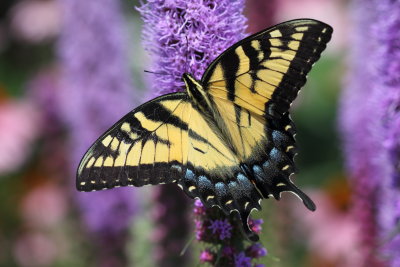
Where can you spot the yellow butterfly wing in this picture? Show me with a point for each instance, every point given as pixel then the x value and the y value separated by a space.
pixel 252 85
pixel 264 72
pixel 147 146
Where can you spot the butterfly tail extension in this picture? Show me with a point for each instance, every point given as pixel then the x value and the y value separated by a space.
pixel 272 182
pixel 272 175
pixel 306 199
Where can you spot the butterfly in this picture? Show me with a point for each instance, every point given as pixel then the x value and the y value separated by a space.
pixel 228 139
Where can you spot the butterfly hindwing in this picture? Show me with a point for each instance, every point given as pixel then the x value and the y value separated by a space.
pixel 147 146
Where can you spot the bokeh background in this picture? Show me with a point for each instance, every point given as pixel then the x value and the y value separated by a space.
pixel 69 69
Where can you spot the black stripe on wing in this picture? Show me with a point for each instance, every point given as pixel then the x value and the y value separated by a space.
pixel 310 48
pixel 115 159
pixel 273 64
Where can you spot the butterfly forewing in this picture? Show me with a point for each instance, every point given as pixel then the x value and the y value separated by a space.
pixel 147 146
pixel 264 72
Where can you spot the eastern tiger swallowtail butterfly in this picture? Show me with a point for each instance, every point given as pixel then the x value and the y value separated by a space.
pixel 228 139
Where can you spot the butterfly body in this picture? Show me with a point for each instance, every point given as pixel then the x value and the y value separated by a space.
pixel 228 139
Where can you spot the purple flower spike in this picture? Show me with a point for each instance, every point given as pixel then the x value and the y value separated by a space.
pixel 371 127
pixel 387 54
pixel 185 36
pixel 95 92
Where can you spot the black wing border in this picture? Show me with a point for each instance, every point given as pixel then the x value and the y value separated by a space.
pixel 254 36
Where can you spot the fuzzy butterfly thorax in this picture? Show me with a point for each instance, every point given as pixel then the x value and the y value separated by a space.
pixel 197 94
pixel 228 140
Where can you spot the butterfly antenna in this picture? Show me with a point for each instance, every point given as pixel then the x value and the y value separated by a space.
pixel 187 56
pixel 158 73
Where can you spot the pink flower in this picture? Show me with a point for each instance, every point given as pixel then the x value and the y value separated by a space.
pixel 332 12
pixel 332 234
pixel 44 206
pixel 19 123
pixel 35 249
pixel 256 225
pixel 35 21
pixel 206 256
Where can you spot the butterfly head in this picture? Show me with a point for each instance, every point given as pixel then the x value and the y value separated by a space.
pixel 196 91
pixel 190 81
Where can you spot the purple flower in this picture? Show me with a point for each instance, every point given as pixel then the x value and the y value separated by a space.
pixel 371 124
pixel 255 225
pixel 200 229
pixel 222 228
pixel 256 251
pixel 387 82
pixel 207 256
pixel 199 209
pixel 224 238
pixel 185 36
pixel 361 143
pixel 95 93
pixel 20 126
pixel 241 260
